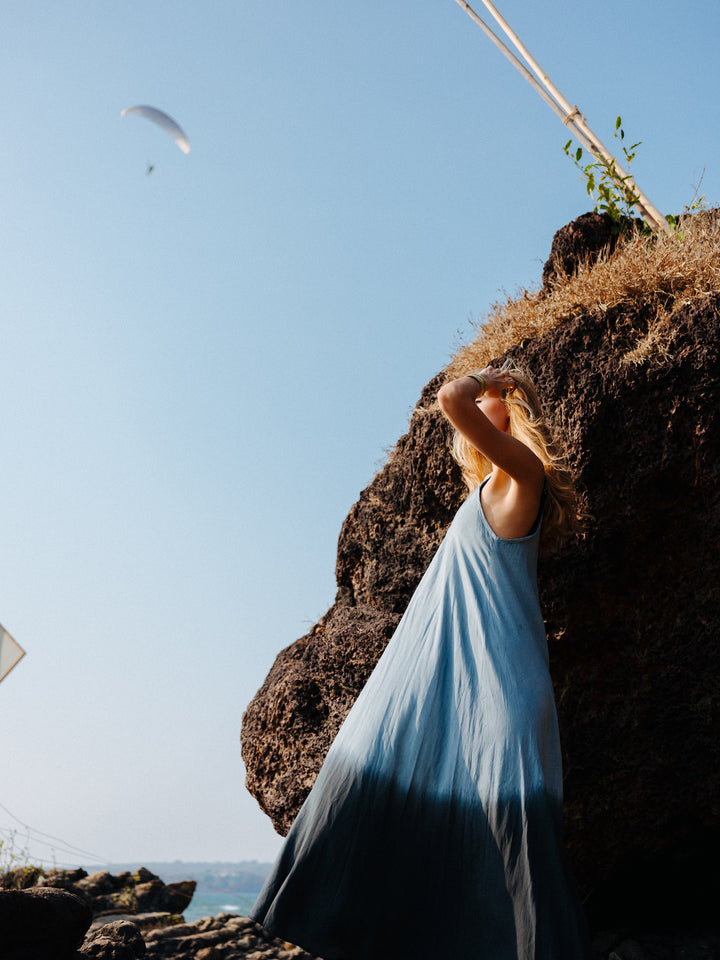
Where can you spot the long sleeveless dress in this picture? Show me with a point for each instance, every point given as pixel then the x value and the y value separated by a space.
pixel 434 828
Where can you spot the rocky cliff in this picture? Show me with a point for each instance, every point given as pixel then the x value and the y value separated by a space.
pixel 631 605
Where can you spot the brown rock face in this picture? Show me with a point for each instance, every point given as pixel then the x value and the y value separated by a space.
pixel 583 239
pixel 631 609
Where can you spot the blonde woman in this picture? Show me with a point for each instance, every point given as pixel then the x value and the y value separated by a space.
pixel 434 828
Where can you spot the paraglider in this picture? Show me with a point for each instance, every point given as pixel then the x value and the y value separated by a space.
pixel 162 120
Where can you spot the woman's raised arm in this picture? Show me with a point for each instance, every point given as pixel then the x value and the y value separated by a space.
pixel 474 405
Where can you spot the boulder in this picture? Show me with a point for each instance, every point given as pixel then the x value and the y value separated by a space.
pixel 97 884
pixel 155 896
pixel 118 940
pixel 42 923
pixel 582 241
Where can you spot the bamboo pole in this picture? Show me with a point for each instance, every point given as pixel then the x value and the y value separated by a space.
pixel 569 114
pixel 519 65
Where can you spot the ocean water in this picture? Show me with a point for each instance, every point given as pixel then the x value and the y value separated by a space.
pixel 208 903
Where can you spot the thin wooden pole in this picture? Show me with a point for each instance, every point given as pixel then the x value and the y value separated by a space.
pixel 519 65
pixel 570 115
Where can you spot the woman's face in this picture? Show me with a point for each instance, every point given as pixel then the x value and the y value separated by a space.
pixel 495 410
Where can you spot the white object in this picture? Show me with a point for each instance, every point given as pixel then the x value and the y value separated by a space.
pixel 11 653
pixel 164 121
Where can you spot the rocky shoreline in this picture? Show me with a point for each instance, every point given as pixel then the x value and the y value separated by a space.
pixel 73 915
pixel 70 915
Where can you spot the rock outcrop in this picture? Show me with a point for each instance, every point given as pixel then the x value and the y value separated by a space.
pixel 47 914
pixel 117 940
pixel 41 923
pixel 104 892
pixel 631 606
pixel 70 915
pixel 226 936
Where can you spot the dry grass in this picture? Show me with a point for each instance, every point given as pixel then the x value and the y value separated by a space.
pixel 660 273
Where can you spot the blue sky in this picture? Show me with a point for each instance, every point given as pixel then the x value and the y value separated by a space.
pixel 203 366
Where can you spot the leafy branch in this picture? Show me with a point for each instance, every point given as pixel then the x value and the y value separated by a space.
pixel 612 192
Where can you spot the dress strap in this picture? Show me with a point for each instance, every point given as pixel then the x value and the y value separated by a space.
pixel 541 509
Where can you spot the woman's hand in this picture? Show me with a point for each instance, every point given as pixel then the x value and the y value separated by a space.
pixel 496 380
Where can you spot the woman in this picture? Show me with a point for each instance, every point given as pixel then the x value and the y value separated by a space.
pixel 433 830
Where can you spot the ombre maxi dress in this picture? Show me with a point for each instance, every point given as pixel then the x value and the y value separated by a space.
pixel 434 828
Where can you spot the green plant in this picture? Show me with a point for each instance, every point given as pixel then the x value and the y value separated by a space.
pixel 16 870
pixel 12 855
pixel 612 192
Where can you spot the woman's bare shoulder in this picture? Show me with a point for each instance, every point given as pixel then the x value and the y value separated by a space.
pixel 511 506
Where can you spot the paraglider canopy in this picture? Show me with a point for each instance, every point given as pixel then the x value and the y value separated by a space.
pixel 162 120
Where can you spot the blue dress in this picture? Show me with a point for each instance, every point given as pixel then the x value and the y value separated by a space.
pixel 434 828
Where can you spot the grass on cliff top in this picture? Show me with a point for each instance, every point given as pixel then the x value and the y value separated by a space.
pixel 660 272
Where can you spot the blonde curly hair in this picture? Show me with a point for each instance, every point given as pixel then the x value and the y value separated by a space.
pixel 527 423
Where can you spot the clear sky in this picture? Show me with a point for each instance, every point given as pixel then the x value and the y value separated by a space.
pixel 202 366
